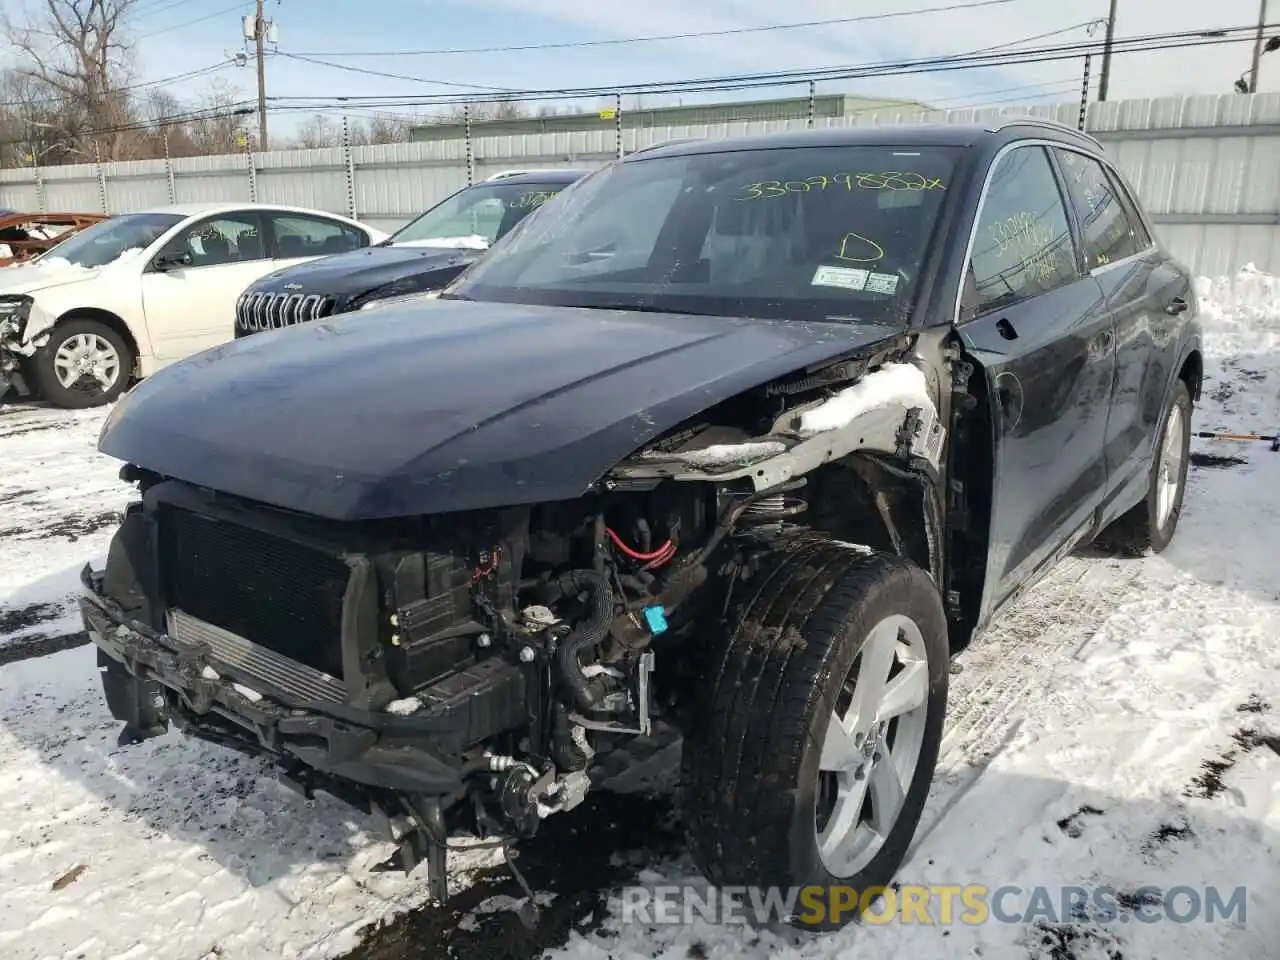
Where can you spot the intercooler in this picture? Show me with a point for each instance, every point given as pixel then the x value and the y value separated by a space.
pixel 284 596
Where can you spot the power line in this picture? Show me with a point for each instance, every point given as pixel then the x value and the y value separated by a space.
pixel 505 90
pixel 1185 40
pixel 191 23
pixel 664 37
pixel 158 6
pixel 968 61
pixel 392 76
pixel 189 75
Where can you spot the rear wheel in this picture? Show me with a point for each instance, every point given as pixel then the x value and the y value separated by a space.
pixel 84 364
pixel 1149 527
pixel 809 759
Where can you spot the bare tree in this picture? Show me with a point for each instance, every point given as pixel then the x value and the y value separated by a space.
pixel 76 51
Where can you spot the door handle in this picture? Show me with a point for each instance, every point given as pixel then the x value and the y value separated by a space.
pixel 1176 306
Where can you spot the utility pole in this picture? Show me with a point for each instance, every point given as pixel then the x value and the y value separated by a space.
pixel 260 39
pixel 1257 46
pixel 1104 81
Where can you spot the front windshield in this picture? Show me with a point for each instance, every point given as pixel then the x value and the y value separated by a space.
pixel 477 216
pixel 790 233
pixel 100 244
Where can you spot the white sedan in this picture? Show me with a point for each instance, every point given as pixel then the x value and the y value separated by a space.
pixel 129 295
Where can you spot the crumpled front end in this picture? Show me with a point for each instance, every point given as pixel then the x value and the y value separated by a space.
pixel 297 640
pixel 17 345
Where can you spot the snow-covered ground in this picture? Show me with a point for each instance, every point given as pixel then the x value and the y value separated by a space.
pixel 1117 730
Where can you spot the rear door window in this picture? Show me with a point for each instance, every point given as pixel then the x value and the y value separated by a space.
pixel 1109 231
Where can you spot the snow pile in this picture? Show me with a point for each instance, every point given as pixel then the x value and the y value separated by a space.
pixel 60 265
pixel 721 454
pixel 1240 313
pixel 894 383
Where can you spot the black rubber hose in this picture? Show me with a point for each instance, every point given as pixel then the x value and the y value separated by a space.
pixel 589 633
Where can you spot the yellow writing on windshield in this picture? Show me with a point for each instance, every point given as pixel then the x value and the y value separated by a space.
pixel 889 180
pixel 855 248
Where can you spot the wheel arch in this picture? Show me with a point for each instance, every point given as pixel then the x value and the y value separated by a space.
pixel 1192 372
pixel 112 321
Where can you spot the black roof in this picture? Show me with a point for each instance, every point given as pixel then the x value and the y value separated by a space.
pixel 905 134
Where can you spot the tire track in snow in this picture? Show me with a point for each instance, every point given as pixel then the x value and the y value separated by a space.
pixel 1013 664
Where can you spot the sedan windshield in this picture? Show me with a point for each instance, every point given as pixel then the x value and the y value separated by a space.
pixel 786 233
pixel 477 216
pixel 100 244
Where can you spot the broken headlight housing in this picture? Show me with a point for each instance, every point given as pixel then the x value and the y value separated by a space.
pixel 13 316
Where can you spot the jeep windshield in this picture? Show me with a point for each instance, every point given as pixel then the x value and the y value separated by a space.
pixel 806 233
pixel 475 217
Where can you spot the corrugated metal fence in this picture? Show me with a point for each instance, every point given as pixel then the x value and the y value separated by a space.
pixel 1207 168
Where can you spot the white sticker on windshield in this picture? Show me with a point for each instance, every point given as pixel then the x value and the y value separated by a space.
pixel 845 277
pixel 881 283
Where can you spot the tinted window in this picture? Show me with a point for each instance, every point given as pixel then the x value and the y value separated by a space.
pixel 226 238
pixel 1109 234
pixel 1023 245
pixel 803 233
pixel 301 236
pixel 477 216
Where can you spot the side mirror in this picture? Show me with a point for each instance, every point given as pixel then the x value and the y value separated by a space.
pixel 168 261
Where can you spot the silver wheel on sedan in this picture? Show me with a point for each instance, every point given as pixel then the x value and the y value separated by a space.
pixel 86 360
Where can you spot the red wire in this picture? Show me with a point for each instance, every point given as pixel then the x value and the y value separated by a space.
pixel 636 554
pixel 664 558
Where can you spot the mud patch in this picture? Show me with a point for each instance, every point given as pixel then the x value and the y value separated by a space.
pixel 1255 704
pixel 575 860
pixel 1070 941
pixel 73 528
pixel 33 428
pixel 40 645
pixel 1209 783
pixel 1166 834
pixel 8 496
pixel 1072 826
pixel 13 619
pixel 1215 462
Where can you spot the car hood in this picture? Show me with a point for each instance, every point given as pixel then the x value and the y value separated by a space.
pixel 363 270
pixel 447 405
pixel 31 278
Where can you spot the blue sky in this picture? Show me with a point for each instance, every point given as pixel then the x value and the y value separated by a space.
pixel 175 36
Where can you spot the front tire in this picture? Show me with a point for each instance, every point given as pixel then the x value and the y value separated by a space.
pixel 1149 527
pixel 809 758
pixel 84 364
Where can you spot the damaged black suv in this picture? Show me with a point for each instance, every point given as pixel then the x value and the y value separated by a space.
pixel 746 438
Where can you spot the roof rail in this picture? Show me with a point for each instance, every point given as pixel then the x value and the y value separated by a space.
pixel 503 174
pixel 665 143
pixel 1051 124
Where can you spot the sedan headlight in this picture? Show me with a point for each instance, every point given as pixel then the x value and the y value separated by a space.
pixel 400 298
pixel 13 315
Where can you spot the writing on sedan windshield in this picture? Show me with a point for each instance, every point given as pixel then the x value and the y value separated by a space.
pixel 888 180
pixel 534 198
pixel 855 248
